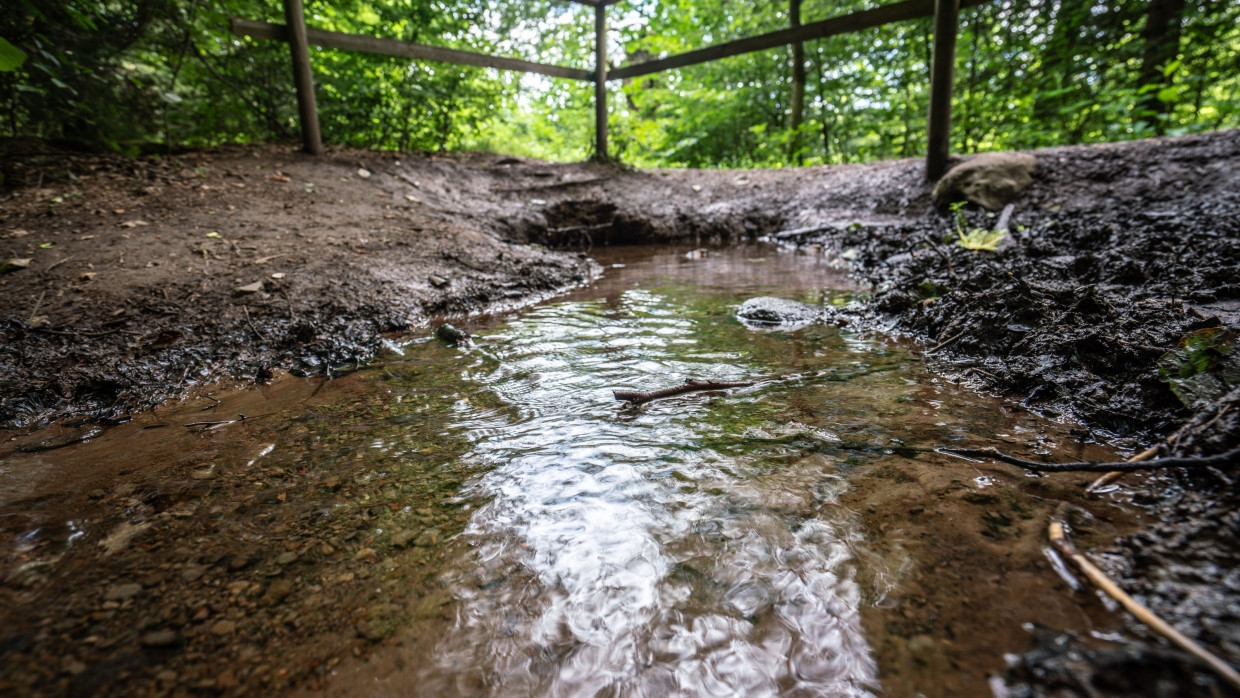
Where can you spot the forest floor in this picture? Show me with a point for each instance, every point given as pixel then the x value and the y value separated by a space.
pixel 137 280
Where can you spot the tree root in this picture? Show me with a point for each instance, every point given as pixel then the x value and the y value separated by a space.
pixel 1225 458
pixel 1057 532
pixel 1114 475
pixel 637 397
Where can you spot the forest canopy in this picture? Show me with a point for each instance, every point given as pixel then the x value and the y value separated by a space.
pixel 151 75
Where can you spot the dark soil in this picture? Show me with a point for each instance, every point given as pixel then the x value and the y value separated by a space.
pixel 140 285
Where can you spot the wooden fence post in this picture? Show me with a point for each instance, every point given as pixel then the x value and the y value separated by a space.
pixel 295 18
pixel 942 74
pixel 600 81
pixel 798 87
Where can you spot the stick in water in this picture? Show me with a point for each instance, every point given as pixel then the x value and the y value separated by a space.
pixel 637 397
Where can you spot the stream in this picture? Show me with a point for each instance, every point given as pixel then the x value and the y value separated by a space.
pixel 499 525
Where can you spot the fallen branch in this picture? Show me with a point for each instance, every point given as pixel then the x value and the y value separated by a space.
pixel 1226 458
pixel 1057 532
pixel 1114 475
pixel 637 397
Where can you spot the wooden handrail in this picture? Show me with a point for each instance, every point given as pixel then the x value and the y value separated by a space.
pixel 843 24
pixel 404 49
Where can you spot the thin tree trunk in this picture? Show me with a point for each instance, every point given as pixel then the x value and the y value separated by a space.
pixel 1161 36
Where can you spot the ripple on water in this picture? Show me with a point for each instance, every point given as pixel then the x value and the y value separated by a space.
pixel 595 571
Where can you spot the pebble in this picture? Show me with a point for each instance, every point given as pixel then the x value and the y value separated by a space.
pixel 365 554
pixel 224 627
pixel 122 592
pixel 402 539
pixel 428 538
pixel 193 573
pixel 287 558
pixel 160 638
pixel 276 592
pixel 372 631
pixel 203 474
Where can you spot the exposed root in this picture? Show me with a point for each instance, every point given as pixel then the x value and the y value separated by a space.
pixel 1225 458
pixel 1057 532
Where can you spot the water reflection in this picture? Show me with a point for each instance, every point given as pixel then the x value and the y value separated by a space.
pixel 629 554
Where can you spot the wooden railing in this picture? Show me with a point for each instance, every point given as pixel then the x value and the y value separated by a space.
pixel 944 12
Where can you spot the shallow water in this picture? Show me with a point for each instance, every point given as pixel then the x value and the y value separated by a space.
pixel 566 545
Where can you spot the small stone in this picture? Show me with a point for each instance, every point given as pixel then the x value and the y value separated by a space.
pixel 239 563
pixel 429 537
pixel 916 510
pixel 437 281
pixel 193 573
pixel 224 627
pixel 122 592
pixel 287 558
pixel 72 666
pixel 98 494
pixel 276 592
pixel 365 554
pixel 250 288
pixel 160 638
pixel 372 631
pixel 402 539
pixel 166 677
pixel 203 474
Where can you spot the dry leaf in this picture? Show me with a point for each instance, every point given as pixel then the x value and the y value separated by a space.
pixel 133 224
pixel 264 260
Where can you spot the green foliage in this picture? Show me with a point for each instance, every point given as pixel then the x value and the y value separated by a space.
pixel 1204 366
pixel 126 74
pixel 11 57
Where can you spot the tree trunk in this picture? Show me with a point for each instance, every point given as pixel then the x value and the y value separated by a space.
pixel 1161 36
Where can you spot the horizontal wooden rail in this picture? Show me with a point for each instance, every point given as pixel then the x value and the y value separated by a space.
pixel 404 49
pixel 855 21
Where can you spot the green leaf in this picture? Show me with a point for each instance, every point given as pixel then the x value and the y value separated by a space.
pixel 981 239
pixel 1204 366
pixel 11 57
pixel 1169 95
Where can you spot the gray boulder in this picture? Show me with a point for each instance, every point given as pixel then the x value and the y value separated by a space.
pixel 990 180
pixel 767 313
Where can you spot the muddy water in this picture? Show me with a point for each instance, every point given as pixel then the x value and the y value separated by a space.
pixel 499 525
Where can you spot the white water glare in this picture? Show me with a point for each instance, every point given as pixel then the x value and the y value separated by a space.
pixel 619 554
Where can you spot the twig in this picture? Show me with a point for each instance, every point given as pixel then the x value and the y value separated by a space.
pixel 1057 532
pixel 945 342
pixel 1114 475
pixel 637 397
pixel 37 303
pixel 935 246
pixel 56 264
pixel 251 323
pixel 1225 458
pixel 76 334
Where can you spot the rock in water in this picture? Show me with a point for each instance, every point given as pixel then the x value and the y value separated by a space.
pixel 990 180
pixel 452 335
pixel 769 313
